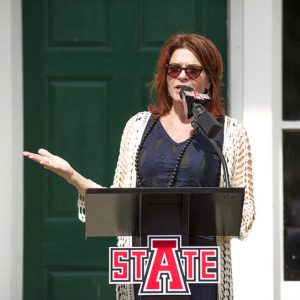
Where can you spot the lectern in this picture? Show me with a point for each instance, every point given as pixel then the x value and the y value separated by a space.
pixel 141 212
pixel 164 211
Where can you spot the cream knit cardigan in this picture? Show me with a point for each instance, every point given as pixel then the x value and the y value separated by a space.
pixel 237 152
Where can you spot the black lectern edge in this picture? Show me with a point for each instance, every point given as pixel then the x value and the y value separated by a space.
pixel 183 190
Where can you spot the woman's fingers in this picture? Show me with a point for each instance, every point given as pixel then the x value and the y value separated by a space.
pixel 42 159
pixel 44 152
pixel 26 153
pixel 45 162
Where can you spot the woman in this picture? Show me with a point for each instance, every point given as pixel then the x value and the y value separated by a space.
pixel 161 148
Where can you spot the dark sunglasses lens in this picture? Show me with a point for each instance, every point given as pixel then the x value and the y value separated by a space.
pixel 174 71
pixel 193 73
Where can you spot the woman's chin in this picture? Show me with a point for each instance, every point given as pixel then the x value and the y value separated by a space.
pixel 177 101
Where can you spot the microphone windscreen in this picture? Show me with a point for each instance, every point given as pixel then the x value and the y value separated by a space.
pixel 187 91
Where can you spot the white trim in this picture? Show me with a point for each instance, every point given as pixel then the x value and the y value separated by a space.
pixel 289 124
pixel 11 162
pixel 277 149
pixel 278 214
pixel 236 58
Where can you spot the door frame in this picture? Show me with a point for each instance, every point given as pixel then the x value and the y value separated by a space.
pixel 11 160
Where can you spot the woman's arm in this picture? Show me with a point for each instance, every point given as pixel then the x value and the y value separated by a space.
pixel 61 167
pixel 124 173
pixel 243 177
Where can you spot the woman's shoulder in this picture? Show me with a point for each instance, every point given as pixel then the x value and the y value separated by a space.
pixel 137 121
pixel 140 116
pixel 234 128
pixel 232 122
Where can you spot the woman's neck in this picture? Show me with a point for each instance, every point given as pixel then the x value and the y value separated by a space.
pixel 176 124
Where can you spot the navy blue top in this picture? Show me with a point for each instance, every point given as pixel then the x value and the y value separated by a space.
pixel 199 167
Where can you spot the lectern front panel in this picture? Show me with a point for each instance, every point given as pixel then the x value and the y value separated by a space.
pixel 164 211
pixel 110 214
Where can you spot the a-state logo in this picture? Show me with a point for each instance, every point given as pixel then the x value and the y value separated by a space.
pixel 164 266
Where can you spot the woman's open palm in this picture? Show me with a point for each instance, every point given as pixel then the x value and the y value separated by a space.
pixel 51 162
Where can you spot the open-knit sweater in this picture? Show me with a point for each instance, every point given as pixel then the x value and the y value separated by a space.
pixel 237 153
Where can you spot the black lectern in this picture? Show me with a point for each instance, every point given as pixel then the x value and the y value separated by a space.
pixel 164 211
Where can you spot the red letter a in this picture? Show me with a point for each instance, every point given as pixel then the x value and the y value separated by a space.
pixel 165 262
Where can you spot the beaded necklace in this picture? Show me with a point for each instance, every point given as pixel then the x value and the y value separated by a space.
pixel 173 175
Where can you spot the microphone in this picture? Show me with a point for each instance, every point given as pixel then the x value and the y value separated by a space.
pixel 195 103
pixel 189 96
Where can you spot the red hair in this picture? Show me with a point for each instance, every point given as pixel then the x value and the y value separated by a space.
pixel 210 58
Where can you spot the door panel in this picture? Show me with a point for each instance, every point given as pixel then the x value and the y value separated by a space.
pixel 88 66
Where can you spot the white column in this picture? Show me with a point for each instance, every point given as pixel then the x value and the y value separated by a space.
pixel 252 38
pixel 11 144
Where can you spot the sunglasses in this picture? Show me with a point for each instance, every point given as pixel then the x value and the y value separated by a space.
pixel 191 72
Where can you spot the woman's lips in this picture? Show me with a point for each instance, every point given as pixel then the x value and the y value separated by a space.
pixel 179 87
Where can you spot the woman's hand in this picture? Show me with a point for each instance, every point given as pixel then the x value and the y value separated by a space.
pixel 52 162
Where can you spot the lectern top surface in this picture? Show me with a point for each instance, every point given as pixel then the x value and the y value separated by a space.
pixel 173 190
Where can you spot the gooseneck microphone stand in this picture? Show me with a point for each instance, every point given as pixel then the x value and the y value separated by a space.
pixel 204 123
pixel 208 126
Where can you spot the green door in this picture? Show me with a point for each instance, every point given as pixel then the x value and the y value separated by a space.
pixel 88 65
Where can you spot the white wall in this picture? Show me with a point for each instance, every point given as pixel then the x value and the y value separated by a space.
pixel 255 78
pixel 11 143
